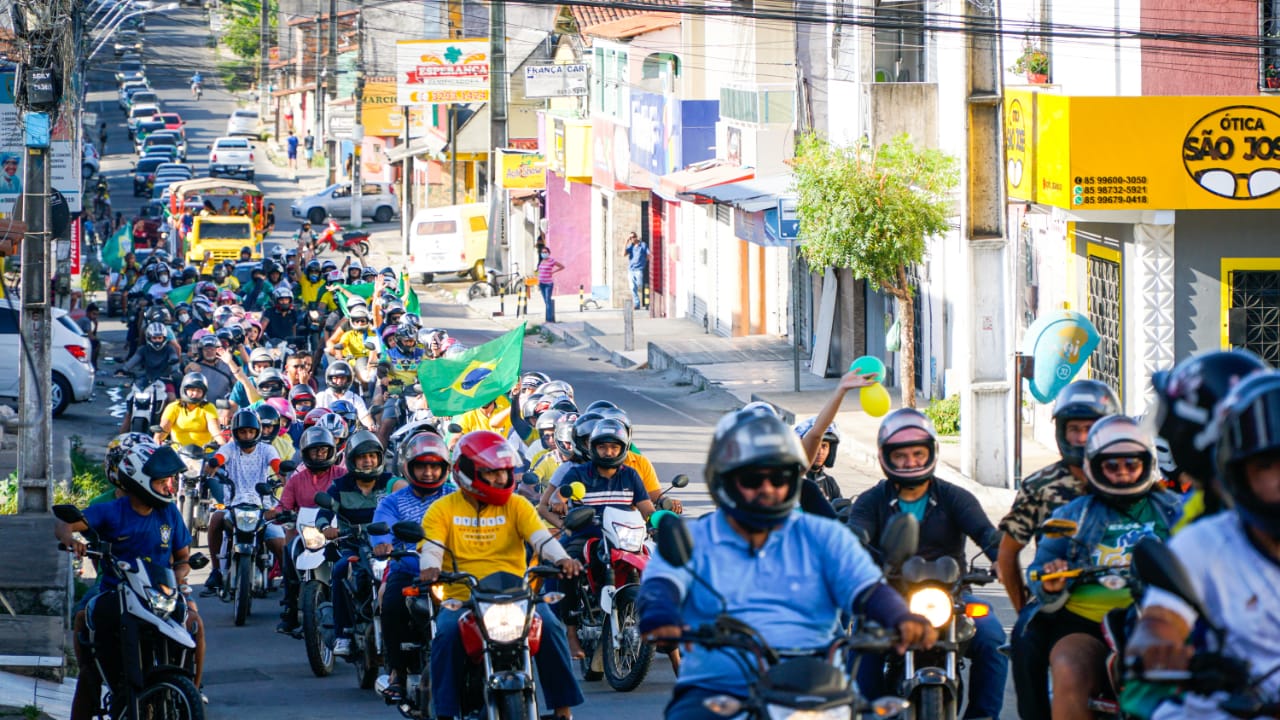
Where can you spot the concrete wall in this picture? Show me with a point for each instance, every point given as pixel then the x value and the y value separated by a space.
pixel 904 107
pixel 569 231
pixel 1179 69
pixel 1202 239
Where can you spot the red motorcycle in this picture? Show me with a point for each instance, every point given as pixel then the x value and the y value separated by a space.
pixel 336 239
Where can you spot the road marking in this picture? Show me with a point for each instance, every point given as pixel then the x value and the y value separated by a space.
pixel 661 404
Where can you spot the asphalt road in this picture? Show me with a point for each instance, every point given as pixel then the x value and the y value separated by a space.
pixel 251 671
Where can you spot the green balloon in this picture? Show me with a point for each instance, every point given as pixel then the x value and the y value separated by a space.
pixel 657 516
pixel 868 364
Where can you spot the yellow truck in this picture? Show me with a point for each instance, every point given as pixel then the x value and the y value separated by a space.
pixel 223 236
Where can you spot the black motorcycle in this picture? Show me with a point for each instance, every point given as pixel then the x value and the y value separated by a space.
pixel 249 561
pixel 146 657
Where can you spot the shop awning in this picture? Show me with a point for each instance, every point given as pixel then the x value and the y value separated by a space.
pixel 429 144
pixel 683 185
pixel 751 195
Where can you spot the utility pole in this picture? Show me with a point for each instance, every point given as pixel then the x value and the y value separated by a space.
pixel 263 24
pixel 317 72
pixel 406 182
pixel 331 70
pixel 357 132
pixel 496 254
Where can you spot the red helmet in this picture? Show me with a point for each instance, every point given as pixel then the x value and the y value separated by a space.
pixel 483 450
pixel 424 448
pixel 314 416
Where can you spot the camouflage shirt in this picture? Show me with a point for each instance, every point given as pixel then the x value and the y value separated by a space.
pixel 1041 493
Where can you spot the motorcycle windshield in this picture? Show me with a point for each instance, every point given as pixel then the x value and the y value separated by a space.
pixel 160 577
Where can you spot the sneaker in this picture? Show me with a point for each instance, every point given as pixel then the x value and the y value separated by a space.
pixel 287 626
pixel 341 647
pixel 213 585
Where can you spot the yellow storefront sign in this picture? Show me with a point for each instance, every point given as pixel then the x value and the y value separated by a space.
pixel 1142 153
pixel 380 114
pixel 522 170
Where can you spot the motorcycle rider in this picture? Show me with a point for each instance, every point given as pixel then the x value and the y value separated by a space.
pixel 908 453
pixel 338 379
pixel 246 462
pixel 271 421
pixel 406 355
pixel 191 419
pixel 742 549
pixel 824 458
pixel 303 400
pixel 280 321
pixel 156 358
pixel 1078 406
pixel 197 84
pixel 318 452
pixel 493 541
pixel 355 497
pixel 1124 504
pixel 256 294
pixel 424 463
pixel 1236 581
pixel 144 523
pixel 221 372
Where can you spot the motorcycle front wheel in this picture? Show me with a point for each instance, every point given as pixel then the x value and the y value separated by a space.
pixel 626 663
pixel 931 704
pixel 244 588
pixel 189 514
pixel 171 697
pixel 367 665
pixel 317 614
pixel 512 706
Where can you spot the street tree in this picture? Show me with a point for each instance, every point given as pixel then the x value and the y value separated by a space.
pixel 870 210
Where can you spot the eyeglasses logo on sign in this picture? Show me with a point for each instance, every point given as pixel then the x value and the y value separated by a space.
pixel 1234 152
pixel 1015 144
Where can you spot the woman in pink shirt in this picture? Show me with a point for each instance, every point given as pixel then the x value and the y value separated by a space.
pixel 318 452
pixel 547 267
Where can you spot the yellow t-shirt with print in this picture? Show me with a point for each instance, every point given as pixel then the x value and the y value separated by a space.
pixel 190 426
pixel 648 475
pixel 351 344
pixel 544 465
pixel 483 539
pixel 477 420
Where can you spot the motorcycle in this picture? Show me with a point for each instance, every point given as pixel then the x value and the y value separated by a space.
pixel 197 90
pixel 422 601
pixel 313 557
pixel 363 583
pixel 608 621
pixel 250 560
pixel 355 242
pixel 193 497
pixel 150 672
pixel 934 589
pixel 146 404
pixel 783 685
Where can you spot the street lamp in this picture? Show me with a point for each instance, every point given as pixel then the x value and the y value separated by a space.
pixel 106 35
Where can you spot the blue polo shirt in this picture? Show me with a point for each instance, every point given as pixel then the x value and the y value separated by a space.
pixel 132 536
pixel 791 590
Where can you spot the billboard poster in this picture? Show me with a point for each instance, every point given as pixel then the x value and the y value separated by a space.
pixel 64 161
pixel 442 71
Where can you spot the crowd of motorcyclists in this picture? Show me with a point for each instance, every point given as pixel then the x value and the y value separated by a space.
pixel 787 600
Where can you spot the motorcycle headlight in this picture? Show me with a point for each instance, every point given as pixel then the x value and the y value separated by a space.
pixel 933 604
pixel 630 537
pixel 781 712
pixel 312 537
pixel 504 622
pixel 161 603
pixel 247 520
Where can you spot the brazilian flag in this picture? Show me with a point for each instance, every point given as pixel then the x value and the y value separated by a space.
pixel 408 297
pixel 114 249
pixel 474 378
pixel 181 294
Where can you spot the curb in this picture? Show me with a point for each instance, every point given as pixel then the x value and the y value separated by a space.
pixel 587 340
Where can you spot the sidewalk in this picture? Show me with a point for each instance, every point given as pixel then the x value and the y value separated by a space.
pixel 19 691
pixel 749 368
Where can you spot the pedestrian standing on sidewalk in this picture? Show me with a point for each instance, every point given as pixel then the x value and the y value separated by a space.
pixel 270 225
pixel 89 326
pixel 102 138
pixel 638 263
pixel 291 149
pixel 309 145
pixel 547 268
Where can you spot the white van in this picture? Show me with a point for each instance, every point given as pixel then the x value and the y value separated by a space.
pixel 449 240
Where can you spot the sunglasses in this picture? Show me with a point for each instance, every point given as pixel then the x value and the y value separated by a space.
pixel 754 481
pixel 1117 464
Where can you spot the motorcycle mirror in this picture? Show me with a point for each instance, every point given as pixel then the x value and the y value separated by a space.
pixel 529 478
pixel 370 345
pixel 324 500
pixel 263 488
pixel 155 429
pixel 408 531
pixel 675 543
pixel 221 404
pixel 69 514
pixel 1058 528
pixel 454 428
pixel 1157 566
pixel 579 518
pixel 198 561
pixel 378 528
pixel 680 481
pixel 900 539
pixel 288 466
pixel 566 492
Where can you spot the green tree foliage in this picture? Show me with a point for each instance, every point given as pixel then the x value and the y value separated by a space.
pixel 870 211
pixel 244 21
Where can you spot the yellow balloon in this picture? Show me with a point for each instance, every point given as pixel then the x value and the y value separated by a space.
pixel 874 399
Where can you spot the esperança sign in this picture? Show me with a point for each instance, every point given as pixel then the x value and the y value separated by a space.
pixel 442 71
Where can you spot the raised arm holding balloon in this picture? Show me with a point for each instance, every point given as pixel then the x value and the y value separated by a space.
pixel 865 372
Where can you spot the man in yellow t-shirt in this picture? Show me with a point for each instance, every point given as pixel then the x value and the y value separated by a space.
pixel 496 416
pixel 189 419
pixel 483 529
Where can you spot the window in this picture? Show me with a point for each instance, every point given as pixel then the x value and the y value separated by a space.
pixel 758 105
pixel 8 322
pixel 1270 60
pixel 479 223
pixel 436 227
pixel 900 42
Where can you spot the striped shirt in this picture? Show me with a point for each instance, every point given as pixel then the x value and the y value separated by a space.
pixel 623 490
pixel 544 270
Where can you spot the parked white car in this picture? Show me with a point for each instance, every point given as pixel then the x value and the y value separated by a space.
pixel 72 373
pixel 244 122
pixel 90 160
pixel 377 201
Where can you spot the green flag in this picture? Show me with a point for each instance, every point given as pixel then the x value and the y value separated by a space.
pixel 408 296
pixel 340 293
pixel 181 294
pixel 474 378
pixel 114 249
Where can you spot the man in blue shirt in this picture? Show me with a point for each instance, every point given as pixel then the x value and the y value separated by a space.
pixel 424 462
pixel 789 575
pixel 143 524
pixel 908 452
pixel 637 265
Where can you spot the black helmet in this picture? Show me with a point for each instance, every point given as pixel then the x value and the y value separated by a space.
pixel 314 439
pixel 246 418
pixel 197 381
pixel 345 410
pixel 582 428
pixel 1185 401
pixel 1119 437
pixel 903 428
pixel 190 275
pixel 269 266
pixel 312 271
pixel 271 383
pixel 599 405
pixel 1249 427
pixel 338 376
pixel 270 419
pixel 753 439
pixel 219 272
pixel 608 430
pixel 1081 400
pixel 363 443
pixel 246 250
